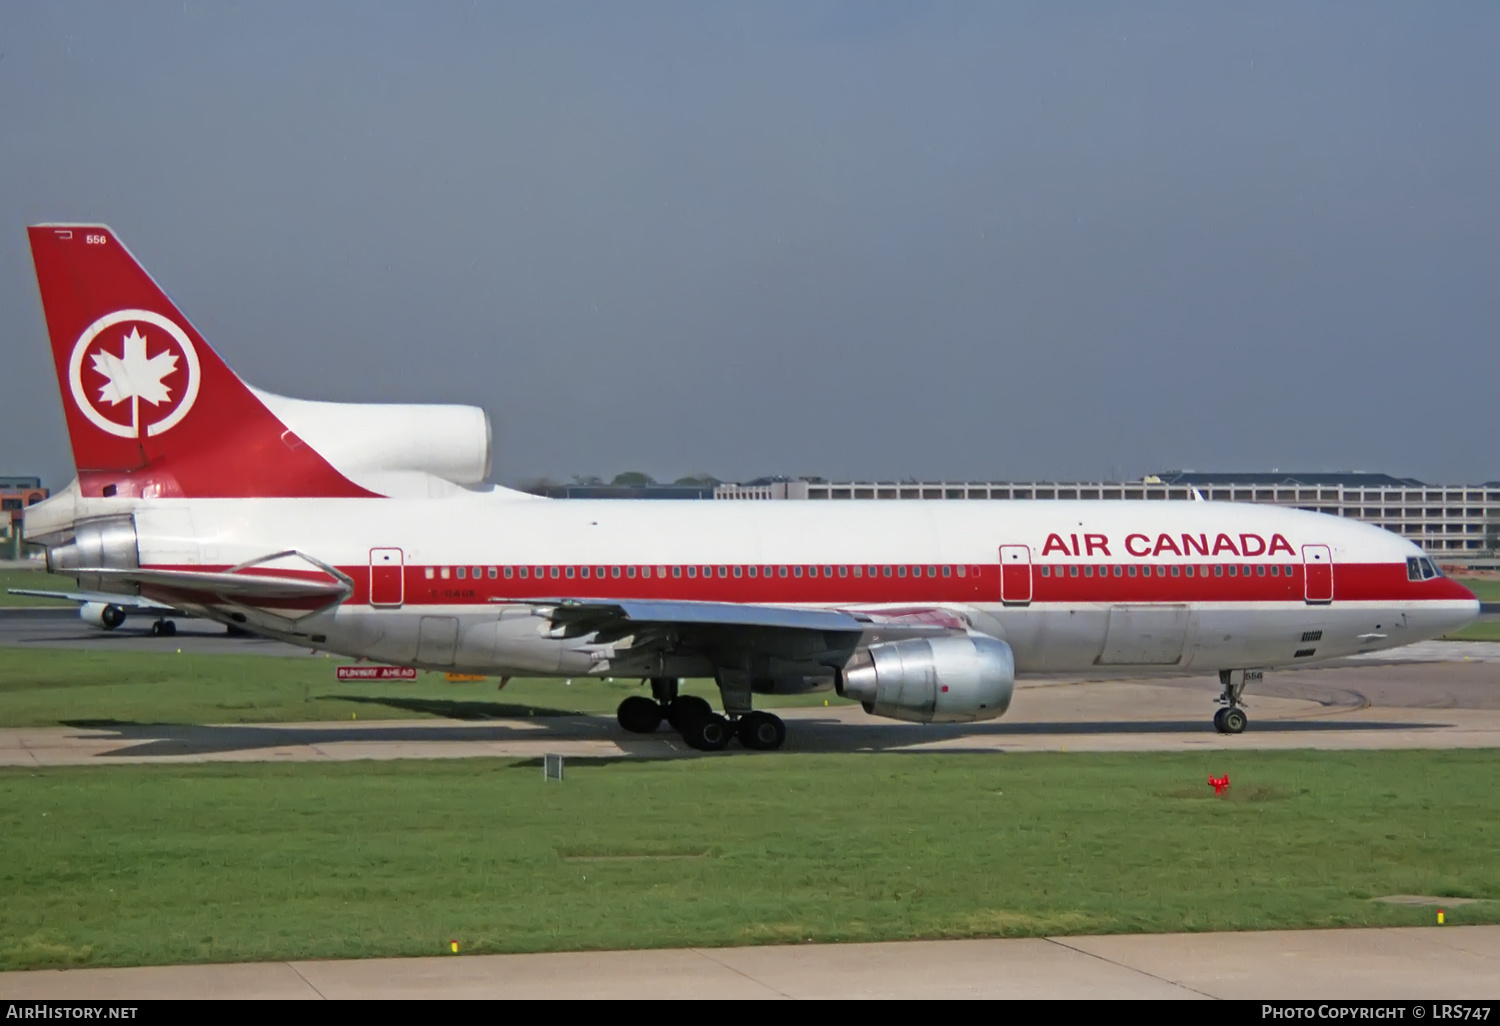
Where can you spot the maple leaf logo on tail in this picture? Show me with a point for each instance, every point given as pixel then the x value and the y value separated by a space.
pixel 121 370
pixel 135 377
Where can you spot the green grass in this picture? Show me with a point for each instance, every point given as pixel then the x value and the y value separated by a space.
pixel 227 862
pixel 1484 630
pixel 45 687
pixel 37 579
pixel 1486 589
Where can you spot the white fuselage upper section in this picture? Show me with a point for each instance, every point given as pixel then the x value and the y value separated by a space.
pixel 1105 581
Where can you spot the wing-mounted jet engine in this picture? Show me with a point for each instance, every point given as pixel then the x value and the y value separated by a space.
pixel 104 615
pixel 950 679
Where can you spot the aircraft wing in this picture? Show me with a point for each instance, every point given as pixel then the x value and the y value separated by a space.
pixel 721 633
pixel 727 633
pixel 129 603
pixel 576 618
pixel 584 616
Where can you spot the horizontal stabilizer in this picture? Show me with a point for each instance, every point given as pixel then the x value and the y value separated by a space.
pixel 259 587
pixel 129 602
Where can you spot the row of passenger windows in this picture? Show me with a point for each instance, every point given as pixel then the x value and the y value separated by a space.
pixel 1189 570
pixel 695 571
pixel 883 570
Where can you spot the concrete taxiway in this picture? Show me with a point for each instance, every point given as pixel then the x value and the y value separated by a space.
pixel 1456 963
pixel 57 627
pixel 1419 703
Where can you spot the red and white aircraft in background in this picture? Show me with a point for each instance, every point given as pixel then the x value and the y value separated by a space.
pixel 366 530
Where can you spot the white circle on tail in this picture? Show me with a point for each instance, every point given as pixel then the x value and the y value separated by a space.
pixel 133 364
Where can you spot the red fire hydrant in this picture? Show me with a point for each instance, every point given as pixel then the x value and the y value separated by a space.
pixel 1219 784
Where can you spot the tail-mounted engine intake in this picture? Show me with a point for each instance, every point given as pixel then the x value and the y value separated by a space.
pixel 953 679
pixel 108 543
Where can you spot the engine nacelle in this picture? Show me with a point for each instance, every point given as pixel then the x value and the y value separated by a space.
pixel 103 543
pixel 934 680
pixel 100 543
pixel 104 615
pixel 359 439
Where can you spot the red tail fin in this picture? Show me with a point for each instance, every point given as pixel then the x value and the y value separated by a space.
pixel 152 410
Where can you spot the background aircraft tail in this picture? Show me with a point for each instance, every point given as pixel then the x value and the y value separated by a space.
pixel 152 410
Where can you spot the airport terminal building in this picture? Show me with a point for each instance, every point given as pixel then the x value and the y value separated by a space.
pixel 1449 520
pixel 16 493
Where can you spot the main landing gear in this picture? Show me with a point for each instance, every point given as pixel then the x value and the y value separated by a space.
pixel 696 721
pixel 163 629
pixel 1232 719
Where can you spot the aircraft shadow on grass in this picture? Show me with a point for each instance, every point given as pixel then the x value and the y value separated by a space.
pixel 808 735
pixel 817 734
pixel 137 638
pixel 158 739
pixel 95 638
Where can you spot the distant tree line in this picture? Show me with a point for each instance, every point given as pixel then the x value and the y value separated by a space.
pixel 625 479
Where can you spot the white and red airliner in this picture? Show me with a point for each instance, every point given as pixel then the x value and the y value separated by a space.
pixel 367 530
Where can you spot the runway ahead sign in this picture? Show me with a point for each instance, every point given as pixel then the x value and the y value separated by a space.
pixel 377 673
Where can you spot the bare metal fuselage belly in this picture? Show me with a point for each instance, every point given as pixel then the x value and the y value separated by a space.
pixel 512 640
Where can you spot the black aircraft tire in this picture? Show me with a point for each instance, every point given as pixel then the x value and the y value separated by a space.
pixel 168 628
pixel 707 733
pixel 1235 721
pixel 1219 721
pixel 761 731
pixel 639 714
pixel 686 708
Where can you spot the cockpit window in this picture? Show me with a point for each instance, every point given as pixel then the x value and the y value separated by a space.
pixel 1420 568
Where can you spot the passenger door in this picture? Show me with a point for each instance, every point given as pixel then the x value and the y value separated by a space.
pixel 1317 573
pixel 387 578
pixel 1015 574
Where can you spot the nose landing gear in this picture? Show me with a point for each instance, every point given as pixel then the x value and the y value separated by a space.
pixel 1232 719
pixel 692 717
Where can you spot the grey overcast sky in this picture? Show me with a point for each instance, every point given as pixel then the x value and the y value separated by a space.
pixel 864 239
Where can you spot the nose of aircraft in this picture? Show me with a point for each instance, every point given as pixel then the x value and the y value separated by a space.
pixel 1462 608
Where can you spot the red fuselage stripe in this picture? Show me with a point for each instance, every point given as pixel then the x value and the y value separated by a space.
pixel 1352 582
